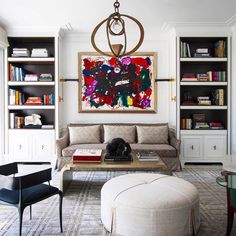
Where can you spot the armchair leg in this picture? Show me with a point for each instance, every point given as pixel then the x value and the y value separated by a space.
pixel 20 211
pixel 230 221
pixel 30 212
pixel 60 209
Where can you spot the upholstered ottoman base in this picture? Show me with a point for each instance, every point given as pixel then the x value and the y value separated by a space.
pixel 150 204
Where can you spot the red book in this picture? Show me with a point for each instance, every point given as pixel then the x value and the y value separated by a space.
pixel 87 155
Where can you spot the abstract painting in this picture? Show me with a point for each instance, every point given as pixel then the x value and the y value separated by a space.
pixel 109 84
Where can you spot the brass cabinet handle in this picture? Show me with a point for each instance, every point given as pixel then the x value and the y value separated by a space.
pixel 192 147
pixel 20 147
pixel 42 147
pixel 214 147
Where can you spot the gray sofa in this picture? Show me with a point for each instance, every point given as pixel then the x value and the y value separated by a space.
pixel 157 137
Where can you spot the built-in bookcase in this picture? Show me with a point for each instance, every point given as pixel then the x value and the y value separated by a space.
pixel 22 141
pixel 203 92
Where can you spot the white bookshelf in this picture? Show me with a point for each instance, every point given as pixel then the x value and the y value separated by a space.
pixel 203 145
pixel 29 144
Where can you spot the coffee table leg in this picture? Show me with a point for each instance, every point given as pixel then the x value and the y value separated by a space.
pixel 66 179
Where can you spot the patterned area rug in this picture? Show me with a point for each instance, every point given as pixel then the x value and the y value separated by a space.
pixel 81 206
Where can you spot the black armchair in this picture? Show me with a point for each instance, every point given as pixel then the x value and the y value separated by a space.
pixel 23 191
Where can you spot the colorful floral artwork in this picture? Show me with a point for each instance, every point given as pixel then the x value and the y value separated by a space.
pixel 111 84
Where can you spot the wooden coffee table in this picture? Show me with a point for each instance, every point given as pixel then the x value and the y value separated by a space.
pixel 135 165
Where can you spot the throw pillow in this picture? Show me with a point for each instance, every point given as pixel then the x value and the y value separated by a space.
pixel 119 131
pixel 84 134
pixel 152 134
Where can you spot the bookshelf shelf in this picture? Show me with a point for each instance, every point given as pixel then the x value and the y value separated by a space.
pixel 25 144
pixel 204 83
pixel 203 107
pixel 205 63
pixel 31 107
pixel 29 83
pixel 197 59
pixel 30 59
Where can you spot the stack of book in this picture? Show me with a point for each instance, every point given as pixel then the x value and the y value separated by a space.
pixel 39 52
pixel 16 97
pixel 203 77
pixel 202 52
pixel 220 49
pixel 148 156
pixel 189 77
pixel 201 125
pixel 184 49
pixel 46 77
pixel 87 155
pixel 204 101
pixel 48 99
pixel 31 77
pixel 218 97
pixel 16 73
pixel 34 101
pixel 20 52
pixel 47 126
pixel 216 125
pixel 186 123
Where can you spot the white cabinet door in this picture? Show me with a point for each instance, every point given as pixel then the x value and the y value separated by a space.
pixel 192 147
pixel 43 148
pixel 215 146
pixel 20 147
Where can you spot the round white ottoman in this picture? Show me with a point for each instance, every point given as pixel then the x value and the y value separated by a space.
pixel 150 204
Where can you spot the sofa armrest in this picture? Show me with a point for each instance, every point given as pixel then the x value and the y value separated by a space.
pixel 174 141
pixel 62 143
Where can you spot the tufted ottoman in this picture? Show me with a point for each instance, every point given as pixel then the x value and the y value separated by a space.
pixel 150 204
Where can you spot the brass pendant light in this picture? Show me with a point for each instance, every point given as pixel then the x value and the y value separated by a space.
pixel 115 26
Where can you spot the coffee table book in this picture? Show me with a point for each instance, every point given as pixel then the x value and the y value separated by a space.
pixel 148 156
pixel 87 155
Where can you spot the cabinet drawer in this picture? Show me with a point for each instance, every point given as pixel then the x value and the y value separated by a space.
pixel 215 146
pixel 192 147
pixel 42 147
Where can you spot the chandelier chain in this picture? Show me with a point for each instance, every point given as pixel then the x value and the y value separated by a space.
pixel 116 6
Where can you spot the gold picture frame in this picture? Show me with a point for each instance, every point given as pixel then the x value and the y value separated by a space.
pixel 108 84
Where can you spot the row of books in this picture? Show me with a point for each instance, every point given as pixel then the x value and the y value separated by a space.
pixel 218 97
pixel 20 74
pixel 186 123
pixel 16 97
pixel 24 52
pixel 17 121
pixel 219 50
pixel 48 99
pixel 209 76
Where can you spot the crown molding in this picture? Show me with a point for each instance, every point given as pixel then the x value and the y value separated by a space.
pixel 39 31
pixel 231 21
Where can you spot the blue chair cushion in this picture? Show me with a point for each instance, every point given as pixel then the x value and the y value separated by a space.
pixel 32 194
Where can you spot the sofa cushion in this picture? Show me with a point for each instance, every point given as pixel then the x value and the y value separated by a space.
pixel 119 131
pixel 69 151
pixel 84 134
pixel 152 134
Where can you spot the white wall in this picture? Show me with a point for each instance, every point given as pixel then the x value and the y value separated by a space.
pixel 1 102
pixel 74 43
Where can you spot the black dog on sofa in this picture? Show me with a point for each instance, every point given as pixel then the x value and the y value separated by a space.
pixel 118 147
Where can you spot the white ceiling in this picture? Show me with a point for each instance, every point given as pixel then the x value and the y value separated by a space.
pixel 83 15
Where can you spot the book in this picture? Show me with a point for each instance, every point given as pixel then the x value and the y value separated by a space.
pixel 148 156
pixel 34 101
pixel 202 50
pixel 87 155
pixel 31 77
pixel 12 120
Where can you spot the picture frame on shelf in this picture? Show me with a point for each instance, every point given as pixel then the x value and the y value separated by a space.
pixel 109 84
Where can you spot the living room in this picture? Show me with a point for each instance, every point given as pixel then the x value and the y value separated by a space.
pixel 141 117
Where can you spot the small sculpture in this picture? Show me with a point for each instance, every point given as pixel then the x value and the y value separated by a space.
pixel 118 147
pixel 34 119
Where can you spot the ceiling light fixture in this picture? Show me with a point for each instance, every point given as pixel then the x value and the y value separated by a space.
pixel 115 27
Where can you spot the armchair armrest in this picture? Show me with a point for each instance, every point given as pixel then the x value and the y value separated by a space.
pixel 174 142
